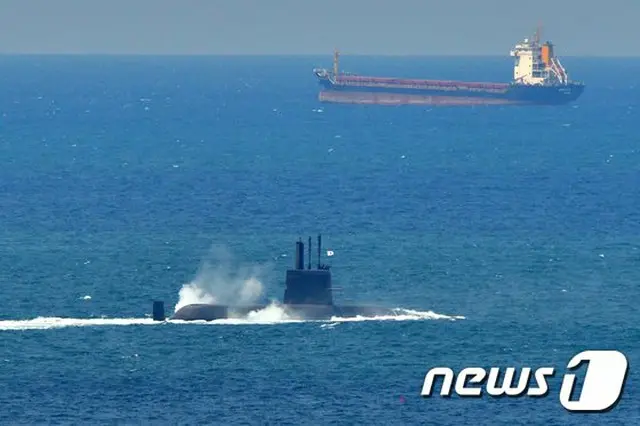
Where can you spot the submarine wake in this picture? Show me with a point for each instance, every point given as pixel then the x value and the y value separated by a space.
pixel 401 314
pixel 45 323
pixel 273 314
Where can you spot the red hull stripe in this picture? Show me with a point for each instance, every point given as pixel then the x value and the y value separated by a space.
pixel 347 79
pixel 393 99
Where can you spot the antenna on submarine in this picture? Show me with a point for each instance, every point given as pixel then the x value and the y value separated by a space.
pixel 309 267
pixel 320 264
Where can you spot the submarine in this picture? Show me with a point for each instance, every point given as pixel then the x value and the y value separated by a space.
pixel 308 295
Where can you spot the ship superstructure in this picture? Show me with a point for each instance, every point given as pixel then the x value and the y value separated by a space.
pixel 536 64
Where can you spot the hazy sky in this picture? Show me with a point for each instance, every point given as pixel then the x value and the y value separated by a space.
pixel 590 27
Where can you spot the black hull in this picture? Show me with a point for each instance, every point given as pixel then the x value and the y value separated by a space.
pixel 204 312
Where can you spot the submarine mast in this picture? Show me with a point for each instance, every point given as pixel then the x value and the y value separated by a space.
pixel 299 255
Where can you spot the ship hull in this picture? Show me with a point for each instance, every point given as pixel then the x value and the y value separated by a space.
pixel 460 94
pixel 206 312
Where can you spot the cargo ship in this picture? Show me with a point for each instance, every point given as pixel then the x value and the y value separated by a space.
pixel 538 79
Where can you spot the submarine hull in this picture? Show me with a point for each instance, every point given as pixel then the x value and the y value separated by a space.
pixel 205 312
pixel 308 295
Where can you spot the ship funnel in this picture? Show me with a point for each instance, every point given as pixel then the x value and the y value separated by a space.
pixel 546 53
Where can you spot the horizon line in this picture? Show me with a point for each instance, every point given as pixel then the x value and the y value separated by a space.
pixel 291 55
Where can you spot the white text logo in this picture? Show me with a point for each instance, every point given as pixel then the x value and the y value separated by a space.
pixel 601 388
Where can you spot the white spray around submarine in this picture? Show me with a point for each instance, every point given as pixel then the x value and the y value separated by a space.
pixel 219 281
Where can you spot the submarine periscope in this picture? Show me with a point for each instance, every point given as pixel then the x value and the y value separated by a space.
pixel 308 295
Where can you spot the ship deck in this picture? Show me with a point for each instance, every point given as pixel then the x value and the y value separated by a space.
pixel 357 80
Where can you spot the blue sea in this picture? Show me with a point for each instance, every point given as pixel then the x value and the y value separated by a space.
pixel 506 236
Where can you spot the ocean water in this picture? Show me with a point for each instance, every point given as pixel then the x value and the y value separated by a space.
pixel 509 235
